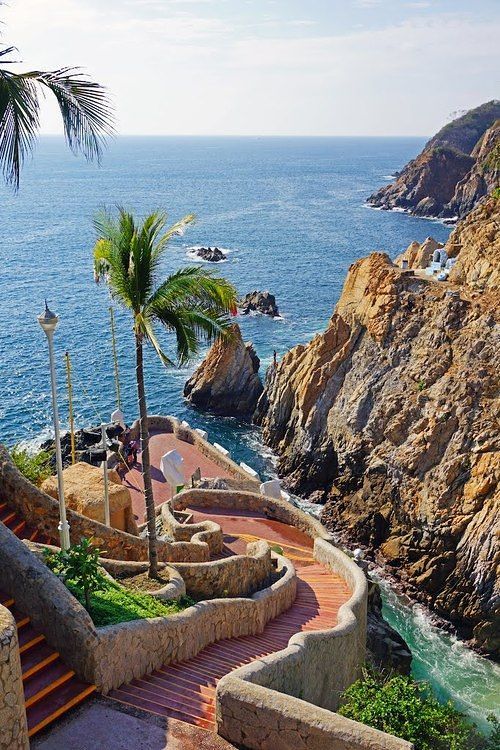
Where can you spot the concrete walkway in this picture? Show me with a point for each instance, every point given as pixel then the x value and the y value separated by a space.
pixel 104 725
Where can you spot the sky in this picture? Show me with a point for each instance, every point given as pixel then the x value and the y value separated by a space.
pixel 269 67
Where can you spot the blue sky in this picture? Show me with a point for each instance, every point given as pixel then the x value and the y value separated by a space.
pixel 296 67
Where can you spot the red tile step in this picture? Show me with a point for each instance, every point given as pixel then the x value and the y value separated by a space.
pixel 50 687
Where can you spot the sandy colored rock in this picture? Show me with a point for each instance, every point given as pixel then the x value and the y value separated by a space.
pixel 392 413
pixel 227 381
pixel 84 493
pixel 419 255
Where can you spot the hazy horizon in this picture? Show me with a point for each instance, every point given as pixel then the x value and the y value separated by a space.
pixel 255 68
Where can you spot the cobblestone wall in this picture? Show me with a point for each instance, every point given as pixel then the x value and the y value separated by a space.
pixel 13 729
pixel 41 511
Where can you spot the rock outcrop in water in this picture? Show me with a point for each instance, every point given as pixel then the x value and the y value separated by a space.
pixel 261 302
pixel 227 382
pixel 210 254
pixel 392 414
pixel 457 167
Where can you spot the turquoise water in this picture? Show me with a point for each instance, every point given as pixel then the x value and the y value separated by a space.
pixel 290 211
pixel 455 672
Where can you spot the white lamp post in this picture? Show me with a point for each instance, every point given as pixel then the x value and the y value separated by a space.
pixel 48 321
pixel 107 517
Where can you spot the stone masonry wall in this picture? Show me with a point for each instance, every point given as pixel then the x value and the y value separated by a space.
pixel 205 532
pixel 131 649
pixel 41 511
pixel 13 728
pixel 238 575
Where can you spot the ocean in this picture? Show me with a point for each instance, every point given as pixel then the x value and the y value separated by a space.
pixel 289 211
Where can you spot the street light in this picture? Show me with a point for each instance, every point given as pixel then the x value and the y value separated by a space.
pixel 48 322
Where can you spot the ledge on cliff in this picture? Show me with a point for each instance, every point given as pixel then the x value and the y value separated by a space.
pixel 391 413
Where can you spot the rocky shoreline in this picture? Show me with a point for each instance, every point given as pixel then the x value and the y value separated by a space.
pixel 388 419
pixel 458 167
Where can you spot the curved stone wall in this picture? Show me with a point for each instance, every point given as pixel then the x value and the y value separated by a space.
pixel 132 649
pixel 206 532
pixel 42 512
pixel 290 696
pixel 13 728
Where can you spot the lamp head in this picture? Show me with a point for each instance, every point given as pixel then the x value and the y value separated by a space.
pixel 48 320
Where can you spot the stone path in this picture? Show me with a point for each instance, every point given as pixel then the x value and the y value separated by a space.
pixel 186 691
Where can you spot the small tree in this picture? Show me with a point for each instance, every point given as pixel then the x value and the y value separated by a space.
pixel 78 566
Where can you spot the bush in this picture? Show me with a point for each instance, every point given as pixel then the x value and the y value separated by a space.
pixel 403 707
pixel 106 601
pixel 80 565
pixel 35 467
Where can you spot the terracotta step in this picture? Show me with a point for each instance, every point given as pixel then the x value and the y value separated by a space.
pixel 56 703
pixel 46 680
pixel 38 658
pixel 29 637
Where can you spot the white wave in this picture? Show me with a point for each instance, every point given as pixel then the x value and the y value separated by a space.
pixel 390 177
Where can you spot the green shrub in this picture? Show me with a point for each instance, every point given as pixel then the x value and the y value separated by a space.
pixel 113 603
pixel 35 467
pixel 80 565
pixel 403 707
pixel 105 600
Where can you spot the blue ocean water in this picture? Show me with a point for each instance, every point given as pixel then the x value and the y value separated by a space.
pixel 290 211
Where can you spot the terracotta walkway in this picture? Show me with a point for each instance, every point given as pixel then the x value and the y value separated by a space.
pixel 186 690
pixel 159 444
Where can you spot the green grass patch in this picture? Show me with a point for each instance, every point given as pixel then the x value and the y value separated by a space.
pixel 112 603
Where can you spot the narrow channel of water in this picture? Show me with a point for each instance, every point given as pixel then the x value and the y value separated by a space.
pixel 454 671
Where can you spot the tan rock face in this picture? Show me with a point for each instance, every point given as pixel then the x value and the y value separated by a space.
pixel 227 381
pixel 475 242
pixel 419 255
pixel 392 413
pixel 84 493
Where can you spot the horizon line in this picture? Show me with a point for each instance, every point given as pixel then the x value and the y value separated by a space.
pixel 243 135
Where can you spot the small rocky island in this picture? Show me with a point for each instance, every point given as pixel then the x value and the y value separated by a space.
pixel 259 302
pixel 457 167
pixel 227 382
pixel 209 254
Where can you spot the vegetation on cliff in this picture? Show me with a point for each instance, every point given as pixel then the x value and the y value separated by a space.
pixel 399 705
pixel 456 168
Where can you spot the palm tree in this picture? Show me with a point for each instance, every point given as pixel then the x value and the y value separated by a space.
pixel 191 303
pixel 86 112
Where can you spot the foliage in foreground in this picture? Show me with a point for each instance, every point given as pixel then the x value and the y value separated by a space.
pixel 35 467
pixel 399 705
pixel 106 601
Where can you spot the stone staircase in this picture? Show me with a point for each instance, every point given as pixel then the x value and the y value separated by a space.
pixel 50 687
pixel 186 690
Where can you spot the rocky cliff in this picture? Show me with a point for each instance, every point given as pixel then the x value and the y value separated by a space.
pixel 457 167
pixel 227 381
pixel 390 417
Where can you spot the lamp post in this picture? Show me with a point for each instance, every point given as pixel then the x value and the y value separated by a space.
pixel 48 322
pixel 107 518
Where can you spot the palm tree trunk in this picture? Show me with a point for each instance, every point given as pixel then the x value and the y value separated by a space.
pixel 146 463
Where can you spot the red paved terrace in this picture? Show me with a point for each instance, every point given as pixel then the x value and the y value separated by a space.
pixel 159 443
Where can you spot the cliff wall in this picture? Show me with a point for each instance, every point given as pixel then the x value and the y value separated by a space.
pixel 389 417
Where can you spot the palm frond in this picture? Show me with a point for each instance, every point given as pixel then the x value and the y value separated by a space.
pixel 19 123
pixel 196 286
pixel 88 116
